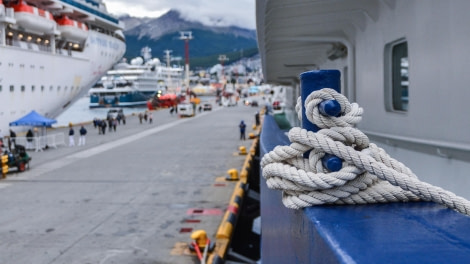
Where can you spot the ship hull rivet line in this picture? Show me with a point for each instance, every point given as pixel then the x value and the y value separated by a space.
pixel 367 174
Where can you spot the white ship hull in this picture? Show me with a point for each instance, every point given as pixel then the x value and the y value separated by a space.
pixel 45 79
pixel 57 79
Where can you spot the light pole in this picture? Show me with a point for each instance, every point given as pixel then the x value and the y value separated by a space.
pixel 186 36
pixel 223 58
pixel 168 58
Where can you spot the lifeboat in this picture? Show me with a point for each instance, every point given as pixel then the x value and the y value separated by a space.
pixel 71 30
pixel 33 18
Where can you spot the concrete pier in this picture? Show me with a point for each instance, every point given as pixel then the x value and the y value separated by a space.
pixel 130 196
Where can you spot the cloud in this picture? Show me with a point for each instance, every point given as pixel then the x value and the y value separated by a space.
pixel 215 13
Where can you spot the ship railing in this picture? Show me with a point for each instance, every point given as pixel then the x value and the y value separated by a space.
pixel 40 143
pixel 7 14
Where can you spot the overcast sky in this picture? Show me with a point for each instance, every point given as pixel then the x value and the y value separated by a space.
pixel 210 12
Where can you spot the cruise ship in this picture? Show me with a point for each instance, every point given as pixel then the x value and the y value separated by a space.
pixel 52 52
pixel 134 84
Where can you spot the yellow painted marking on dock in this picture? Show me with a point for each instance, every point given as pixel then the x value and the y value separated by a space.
pixel 180 248
pixel 220 179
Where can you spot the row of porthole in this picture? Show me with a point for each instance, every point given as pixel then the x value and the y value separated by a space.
pixel 33 88
pixel 11 64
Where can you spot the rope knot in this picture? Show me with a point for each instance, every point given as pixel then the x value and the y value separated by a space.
pixel 350 115
pixel 368 174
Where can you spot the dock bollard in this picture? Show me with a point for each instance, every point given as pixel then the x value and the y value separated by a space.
pixel 232 175
pixel 242 150
pixel 316 80
pixel 200 242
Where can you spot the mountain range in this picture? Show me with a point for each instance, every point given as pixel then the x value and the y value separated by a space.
pixel 208 42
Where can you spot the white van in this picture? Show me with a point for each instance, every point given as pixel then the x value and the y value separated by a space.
pixel 185 109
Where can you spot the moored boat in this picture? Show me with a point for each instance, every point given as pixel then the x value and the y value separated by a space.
pixel 71 29
pixel 33 19
pixel 135 83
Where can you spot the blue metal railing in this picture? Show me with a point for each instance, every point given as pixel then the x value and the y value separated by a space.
pixel 418 232
pixel 415 232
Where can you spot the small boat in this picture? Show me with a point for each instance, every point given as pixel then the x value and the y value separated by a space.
pixel 71 29
pixel 32 18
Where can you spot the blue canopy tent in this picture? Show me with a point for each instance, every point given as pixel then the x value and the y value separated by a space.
pixel 33 119
pixel 36 120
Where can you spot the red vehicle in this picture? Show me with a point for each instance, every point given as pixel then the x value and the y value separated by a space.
pixel 165 101
pixel 276 105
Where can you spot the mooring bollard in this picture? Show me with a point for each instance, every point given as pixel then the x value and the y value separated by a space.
pixel 316 80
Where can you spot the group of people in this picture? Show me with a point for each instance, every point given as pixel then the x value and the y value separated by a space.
pixel 81 139
pixel 147 116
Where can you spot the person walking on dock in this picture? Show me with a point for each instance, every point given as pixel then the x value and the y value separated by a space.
pixel 71 137
pixel 82 139
pixel 110 124
pixel 103 126
pixel 140 117
pixel 29 139
pixel 150 117
pixel 12 138
pixel 257 120
pixel 242 127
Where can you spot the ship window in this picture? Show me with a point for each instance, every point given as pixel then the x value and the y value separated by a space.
pixel 0 88
pixel 23 88
pixel 32 88
pixel 396 76
pixel 12 88
pixel 42 88
pixel 51 88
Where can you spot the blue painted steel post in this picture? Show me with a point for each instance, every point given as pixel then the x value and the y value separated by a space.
pixel 316 80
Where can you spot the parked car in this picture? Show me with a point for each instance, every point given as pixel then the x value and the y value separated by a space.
pixel 113 113
pixel 207 107
pixel 185 109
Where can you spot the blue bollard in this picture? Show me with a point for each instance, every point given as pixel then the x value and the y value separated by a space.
pixel 331 162
pixel 330 108
pixel 316 80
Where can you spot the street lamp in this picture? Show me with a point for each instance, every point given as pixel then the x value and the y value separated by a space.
pixel 186 36
pixel 223 58
pixel 168 58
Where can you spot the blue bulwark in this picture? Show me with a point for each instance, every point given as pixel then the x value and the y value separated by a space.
pixel 418 232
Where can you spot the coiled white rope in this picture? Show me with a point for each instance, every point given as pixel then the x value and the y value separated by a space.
pixel 368 173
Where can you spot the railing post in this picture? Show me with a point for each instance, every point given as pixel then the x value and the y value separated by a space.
pixel 316 80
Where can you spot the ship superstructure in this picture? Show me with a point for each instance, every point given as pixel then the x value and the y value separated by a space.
pixel 52 52
pixel 135 83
